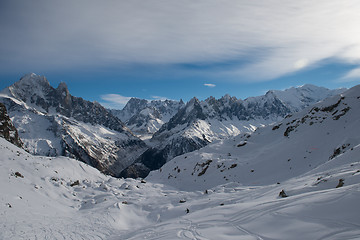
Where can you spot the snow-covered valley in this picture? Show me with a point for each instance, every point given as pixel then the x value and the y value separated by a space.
pixel 61 198
pixel 297 179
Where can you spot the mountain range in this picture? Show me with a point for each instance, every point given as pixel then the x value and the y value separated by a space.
pixel 145 117
pixel 318 137
pixel 202 122
pixel 52 122
pixel 297 178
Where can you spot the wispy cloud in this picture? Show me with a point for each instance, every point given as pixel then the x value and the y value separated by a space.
pixel 158 98
pixel 209 85
pixel 273 37
pixel 353 75
pixel 114 101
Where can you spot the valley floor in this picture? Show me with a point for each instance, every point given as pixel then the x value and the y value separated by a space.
pixel 60 198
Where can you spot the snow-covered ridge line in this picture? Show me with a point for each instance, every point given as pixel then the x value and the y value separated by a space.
pixel 301 143
pixel 199 123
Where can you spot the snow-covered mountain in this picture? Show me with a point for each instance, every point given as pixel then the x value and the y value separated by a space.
pixel 321 137
pixel 145 117
pixel 62 198
pixel 202 122
pixel 51 122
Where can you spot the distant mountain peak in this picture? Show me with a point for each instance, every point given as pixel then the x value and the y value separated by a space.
pixel 145 117
pixel 33 78
pixel 193 101
pixel 62 87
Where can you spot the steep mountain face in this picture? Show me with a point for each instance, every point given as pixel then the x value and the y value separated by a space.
pixel 202 122
pixel 7 128
pixel 145 117
pixel 315 138
pixel 51 122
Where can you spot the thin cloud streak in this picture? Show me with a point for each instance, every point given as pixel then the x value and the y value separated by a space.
pixel 158 98
pixel 351 76
pixel 114 101
pixel 294 35
pixel 209 85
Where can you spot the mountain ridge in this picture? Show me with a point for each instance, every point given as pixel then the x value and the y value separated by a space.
pixel 145 117
pixel 199 123
pixel 300 143
pixel 52 122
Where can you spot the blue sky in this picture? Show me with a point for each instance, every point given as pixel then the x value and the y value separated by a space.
pixel 108 51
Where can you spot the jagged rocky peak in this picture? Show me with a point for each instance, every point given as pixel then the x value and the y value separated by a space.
pixel 186 115
pixel 135 103
pixel 29 85
pixel 37 93
pixel 145 117
pixel 193 101
pixel 7 128
pixel 33 78
pixel 228 98
pixel 193 106
pixel 63 89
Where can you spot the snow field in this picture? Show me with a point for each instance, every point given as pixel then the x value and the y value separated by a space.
pixel 48 204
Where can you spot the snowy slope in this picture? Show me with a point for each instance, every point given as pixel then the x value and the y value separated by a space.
pixel 51 122
pixel 297 98
pixel 40 198
pixel 306 141
pixel 61 198
pixel 202 122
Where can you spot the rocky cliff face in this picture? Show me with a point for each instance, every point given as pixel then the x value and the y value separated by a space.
pixel 52 122
pixel 7 128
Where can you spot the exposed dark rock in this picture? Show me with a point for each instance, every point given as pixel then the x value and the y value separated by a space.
pixel 341 183
pixel 282 194
pixel 135 170
pixel 76 183
pixel 7 128
pixel 17 174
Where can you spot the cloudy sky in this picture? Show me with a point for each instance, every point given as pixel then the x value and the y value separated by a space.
pixel 111 50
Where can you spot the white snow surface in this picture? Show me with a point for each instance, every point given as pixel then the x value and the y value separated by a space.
pixel 43 205
pixel 39 200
